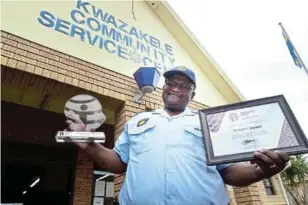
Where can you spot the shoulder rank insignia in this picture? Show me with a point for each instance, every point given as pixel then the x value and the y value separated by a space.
pixel 142 122
pixel 195 112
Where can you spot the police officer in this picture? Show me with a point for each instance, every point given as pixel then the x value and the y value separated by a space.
pixel 163 156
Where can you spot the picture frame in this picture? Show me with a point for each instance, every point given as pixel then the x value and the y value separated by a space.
pixel 232 132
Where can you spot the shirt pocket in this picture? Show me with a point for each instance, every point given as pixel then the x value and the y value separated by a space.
pixel 140 138
pixel 196 138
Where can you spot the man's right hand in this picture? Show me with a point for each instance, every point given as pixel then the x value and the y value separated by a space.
pixel 79 126
pixel 106 159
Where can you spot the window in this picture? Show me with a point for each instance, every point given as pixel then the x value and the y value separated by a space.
pixel 103 188
pixel 268 187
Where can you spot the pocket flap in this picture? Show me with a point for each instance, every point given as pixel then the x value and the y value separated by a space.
pixel 194 130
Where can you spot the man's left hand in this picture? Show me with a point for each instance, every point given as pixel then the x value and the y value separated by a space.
pixel 270 163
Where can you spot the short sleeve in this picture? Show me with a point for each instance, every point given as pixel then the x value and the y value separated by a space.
pixel 121 146
pixel 221 167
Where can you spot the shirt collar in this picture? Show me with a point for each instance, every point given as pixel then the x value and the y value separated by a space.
pixel 186 112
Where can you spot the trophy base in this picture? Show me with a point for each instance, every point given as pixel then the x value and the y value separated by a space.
pixel 67 136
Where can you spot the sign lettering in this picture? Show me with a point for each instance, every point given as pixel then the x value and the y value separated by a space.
pixel 98 28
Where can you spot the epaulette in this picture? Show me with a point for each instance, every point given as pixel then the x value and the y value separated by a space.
pixel 135 117
pixel 195 111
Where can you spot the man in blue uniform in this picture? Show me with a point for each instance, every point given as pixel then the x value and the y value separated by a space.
pixel 163 156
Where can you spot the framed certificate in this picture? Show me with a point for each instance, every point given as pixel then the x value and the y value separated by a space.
pixel 233 132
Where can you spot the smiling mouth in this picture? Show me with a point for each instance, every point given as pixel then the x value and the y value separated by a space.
pixel 173 95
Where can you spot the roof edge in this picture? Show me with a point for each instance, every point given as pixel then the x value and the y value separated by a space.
pixel 190 42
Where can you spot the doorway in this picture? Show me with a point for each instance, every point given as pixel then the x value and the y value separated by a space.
pixel 34 168
pixel 32 184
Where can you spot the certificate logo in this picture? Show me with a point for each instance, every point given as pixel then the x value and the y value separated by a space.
pixel 234 116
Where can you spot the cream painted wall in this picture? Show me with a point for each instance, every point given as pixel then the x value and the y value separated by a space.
pixel 21 18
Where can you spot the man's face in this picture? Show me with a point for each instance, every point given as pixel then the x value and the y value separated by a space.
pixel 177 92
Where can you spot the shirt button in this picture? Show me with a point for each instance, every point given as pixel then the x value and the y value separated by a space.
pixel 169 196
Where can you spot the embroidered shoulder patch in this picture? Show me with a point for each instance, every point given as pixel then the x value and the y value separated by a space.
pixel 182 68
pixel 142 122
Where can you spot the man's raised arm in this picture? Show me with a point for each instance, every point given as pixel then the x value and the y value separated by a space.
pixel 111 160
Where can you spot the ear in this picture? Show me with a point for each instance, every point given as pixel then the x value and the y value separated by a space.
pixel 192 95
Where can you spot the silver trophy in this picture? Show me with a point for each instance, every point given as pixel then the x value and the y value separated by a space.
pixel 88 110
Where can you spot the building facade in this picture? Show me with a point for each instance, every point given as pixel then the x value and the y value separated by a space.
pixel 51 51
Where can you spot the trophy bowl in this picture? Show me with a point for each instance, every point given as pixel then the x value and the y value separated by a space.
pixel 84 109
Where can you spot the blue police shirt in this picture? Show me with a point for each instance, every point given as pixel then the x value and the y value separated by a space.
pixel 165 159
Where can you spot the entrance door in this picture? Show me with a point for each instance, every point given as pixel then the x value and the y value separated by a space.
pixel 35 180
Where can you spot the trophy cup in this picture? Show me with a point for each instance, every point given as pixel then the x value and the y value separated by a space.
pixel 88 110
